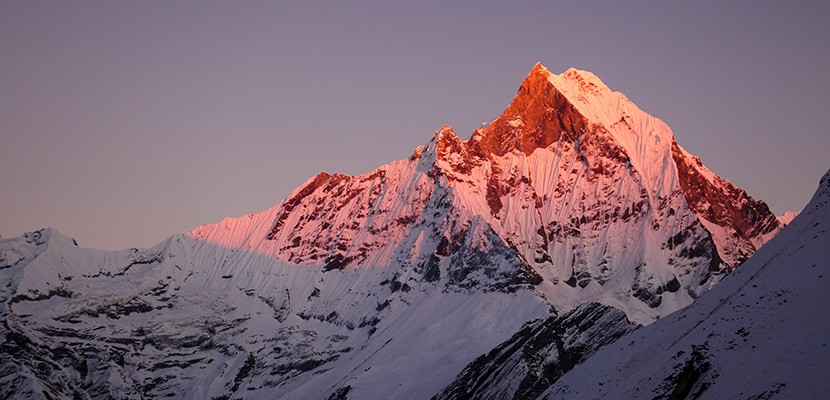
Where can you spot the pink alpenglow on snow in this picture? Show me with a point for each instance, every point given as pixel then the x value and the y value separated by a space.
pixel 571 219
pixel 787 217
pixel 574 177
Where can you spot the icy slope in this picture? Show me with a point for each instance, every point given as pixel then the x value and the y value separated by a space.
pixel 761 333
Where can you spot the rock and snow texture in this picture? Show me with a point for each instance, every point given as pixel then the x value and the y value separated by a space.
pixel 537 355
pixel 590 196
pixel 761 333
pixel 382 285
pixel 190 319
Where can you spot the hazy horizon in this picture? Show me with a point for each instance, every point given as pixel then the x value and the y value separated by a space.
pixel 125 123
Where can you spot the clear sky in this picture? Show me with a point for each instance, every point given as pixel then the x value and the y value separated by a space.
pixel 122 123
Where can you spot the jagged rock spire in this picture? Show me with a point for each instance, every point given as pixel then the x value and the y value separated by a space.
pixel 536 117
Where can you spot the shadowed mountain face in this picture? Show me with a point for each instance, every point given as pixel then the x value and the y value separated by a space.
pixel 387 284
pixel 539 354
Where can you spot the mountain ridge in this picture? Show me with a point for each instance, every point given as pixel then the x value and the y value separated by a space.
pixel 562 136
pixel 573 196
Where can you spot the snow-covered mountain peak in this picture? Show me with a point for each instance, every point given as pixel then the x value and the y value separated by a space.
pixel 445 132
pixel 560 162
pixel 536 118
pixel 48 236
pixel 310 184
pixel 586 81
pixel 573 202
pixel 583 80
pixel 446 140
pixel 549 107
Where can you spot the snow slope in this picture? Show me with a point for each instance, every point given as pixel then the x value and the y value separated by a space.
pixel 194 320
pixel 761 333
pixel 387 284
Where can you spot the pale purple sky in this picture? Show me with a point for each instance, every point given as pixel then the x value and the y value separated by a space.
pixel 122 123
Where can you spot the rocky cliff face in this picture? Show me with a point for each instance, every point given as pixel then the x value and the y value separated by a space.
pixel 572 196
pixel 538 355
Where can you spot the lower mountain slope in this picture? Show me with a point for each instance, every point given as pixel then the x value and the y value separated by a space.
pixel 189 319
pixel 537 355
pixel 761 333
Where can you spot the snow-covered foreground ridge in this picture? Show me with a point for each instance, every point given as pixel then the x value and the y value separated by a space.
pixel 574 206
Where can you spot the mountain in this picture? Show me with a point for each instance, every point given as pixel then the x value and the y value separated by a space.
pixel 787 217
pixel 760 333
pixel 573 178
pixel 572 211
